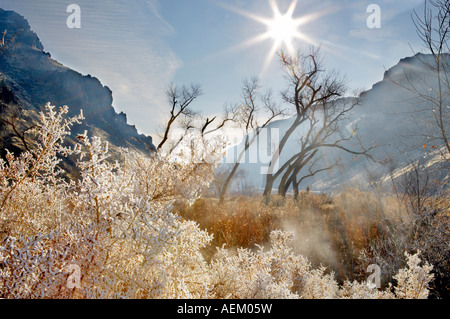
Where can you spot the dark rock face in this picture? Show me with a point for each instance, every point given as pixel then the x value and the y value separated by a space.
pixel 16 24
pixel 30 78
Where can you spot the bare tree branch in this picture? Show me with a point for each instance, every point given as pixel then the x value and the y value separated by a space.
pixel 316 98
pixel 180 100
pixel 247 117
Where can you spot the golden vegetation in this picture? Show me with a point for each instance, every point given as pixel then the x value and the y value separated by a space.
pixel 117 224
pixel 345 232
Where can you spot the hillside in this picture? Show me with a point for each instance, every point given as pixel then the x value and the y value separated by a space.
pixel 30 78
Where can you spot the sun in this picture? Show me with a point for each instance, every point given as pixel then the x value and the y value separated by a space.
pixel 283 28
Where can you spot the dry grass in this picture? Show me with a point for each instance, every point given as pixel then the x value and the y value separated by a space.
pixel 345 233
pixel 242 222
pixel 329 231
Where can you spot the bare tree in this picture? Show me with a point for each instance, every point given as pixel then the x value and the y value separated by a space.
pixel 434 31
pixel 431 86
pixel 181 109
pixel 20 134
pixel 254 105
pixel 323 130
pixel 423 190
pixel 191 125
pixel 423 185
pixel 6 43
pixel 313 94
pixel 296 180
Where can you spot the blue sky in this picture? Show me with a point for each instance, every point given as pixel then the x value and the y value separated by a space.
pixel 137 47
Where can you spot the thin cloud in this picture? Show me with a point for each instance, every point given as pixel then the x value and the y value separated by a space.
pixel 122 43
pixel 154 7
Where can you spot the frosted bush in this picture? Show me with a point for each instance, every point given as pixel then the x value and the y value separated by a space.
pixel 413 281
pixel 31 187
pixel 279 273
pixel 272 274
pixel 360 290
pixel 40 267
pixel 115 222
pixel 319 285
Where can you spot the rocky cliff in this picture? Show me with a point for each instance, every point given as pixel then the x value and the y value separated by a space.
pixel 29 78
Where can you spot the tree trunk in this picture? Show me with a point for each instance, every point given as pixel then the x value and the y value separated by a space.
pixel 285 183
pixel 295 186
pixel 268 188
pixel 225 186
pixel 271 177
pixel 282 189
pixel 227 182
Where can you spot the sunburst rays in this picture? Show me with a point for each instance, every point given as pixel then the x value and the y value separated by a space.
pixel 284 29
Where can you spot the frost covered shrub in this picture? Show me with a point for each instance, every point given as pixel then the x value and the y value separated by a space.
pixel 40 266
pixel 260 274
pixel 273 274
pixel 30 184
pixel 279 273
pixel 413 281
pixel 114 223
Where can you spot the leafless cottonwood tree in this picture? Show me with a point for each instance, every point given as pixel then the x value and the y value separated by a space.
pixel 181 100
pixel 434 31
pixel 424 186
pixel 322 130
pixel 313 95
pixel 195 129
pixel 431 86
pixel 254 106
pixel 6 43
pixel 426 199
pixel 11 121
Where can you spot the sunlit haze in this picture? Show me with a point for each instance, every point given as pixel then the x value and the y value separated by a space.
pixel 138 48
